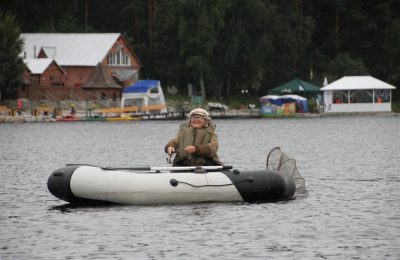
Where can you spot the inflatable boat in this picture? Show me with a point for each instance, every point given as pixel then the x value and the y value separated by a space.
pixel 168 185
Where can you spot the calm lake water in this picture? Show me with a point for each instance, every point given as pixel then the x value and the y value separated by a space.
pixel 351 166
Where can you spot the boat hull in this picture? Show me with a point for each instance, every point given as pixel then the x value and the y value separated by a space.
pixel 77 184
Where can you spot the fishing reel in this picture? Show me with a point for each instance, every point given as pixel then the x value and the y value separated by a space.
pixel 170 159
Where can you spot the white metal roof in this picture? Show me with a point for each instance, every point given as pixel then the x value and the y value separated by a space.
pixel 70 49
pixel 358 82
pixel 38 66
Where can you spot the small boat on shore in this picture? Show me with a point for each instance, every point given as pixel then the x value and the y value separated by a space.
pixel 168 185
pixel 123 118
pixel 68 118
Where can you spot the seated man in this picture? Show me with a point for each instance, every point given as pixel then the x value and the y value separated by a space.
pixel 196 143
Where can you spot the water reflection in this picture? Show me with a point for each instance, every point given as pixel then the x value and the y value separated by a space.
pixel 69 207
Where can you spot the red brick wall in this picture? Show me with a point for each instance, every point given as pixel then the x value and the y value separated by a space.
pixel 76 76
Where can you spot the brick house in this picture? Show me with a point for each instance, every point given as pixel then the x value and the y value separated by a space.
pixel 77 66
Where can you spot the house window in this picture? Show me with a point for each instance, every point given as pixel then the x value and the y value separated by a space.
pixel 382 95
pixel 119 58
pixel 55 80
pixel 361 96
pixel 110 59
pixel 35 80
pixel 154 90
pixel 126 60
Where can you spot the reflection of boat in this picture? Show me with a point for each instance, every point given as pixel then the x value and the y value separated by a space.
pixel 68 118
pixel 93 118
pixel 161 185
pixel 123 118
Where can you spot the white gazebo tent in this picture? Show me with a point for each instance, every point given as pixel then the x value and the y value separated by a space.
pixel 358 94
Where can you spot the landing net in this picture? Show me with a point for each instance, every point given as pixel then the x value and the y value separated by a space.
pixel 279 161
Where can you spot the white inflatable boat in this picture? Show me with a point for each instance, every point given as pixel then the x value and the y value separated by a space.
pixel 168 185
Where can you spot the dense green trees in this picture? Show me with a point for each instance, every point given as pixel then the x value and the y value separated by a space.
pixel 224 46
pixel 11 65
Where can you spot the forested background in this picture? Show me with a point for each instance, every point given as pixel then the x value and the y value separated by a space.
pixel 224 46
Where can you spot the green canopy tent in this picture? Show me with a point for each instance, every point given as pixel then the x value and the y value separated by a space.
pixel 297 86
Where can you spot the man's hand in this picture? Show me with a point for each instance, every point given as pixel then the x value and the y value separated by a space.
pixel 190 149
pixel 170 150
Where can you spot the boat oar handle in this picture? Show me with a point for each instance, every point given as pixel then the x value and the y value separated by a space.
pixel 110 168
pixel 126 168
pixel 168 168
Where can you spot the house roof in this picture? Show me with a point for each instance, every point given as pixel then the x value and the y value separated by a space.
pixel 100 79
pixel 357 82
pixel 296 85
pixel 124 74
pixel 70 49
pixel 38 66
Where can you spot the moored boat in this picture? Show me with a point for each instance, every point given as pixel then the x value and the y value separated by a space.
pixel 123 118
pixel 68 118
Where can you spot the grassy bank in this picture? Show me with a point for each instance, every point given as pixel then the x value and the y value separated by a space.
pixel 396 107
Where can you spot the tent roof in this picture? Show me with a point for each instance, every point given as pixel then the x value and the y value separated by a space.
pixel 142 86
pixel 294 97
pixel 357 82
pixel 269 97
pixel 295 85
pixel 284 97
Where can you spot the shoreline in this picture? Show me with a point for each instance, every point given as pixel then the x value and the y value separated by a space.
pixel 230 114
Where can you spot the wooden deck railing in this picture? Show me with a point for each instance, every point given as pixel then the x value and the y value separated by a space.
pixel 6 110
pixel 119 110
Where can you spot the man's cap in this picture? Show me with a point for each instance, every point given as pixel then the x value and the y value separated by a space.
pixel 200 112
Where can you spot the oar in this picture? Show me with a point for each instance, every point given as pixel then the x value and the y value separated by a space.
pixel 167 168
pixel 171 168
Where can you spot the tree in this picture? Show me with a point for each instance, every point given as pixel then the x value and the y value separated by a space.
pixel 292 35
pixel 392 56
pixel 344 65
pixel 254 39
pixel 198 35
pixel 11 64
